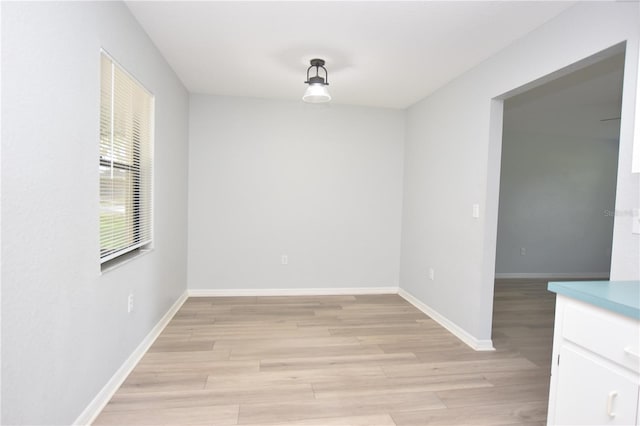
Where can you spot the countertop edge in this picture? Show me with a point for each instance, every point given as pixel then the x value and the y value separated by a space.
pixel 568 288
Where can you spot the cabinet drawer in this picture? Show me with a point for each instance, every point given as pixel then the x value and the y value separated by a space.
pixel 611 336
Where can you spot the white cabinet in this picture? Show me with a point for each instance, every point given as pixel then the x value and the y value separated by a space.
pixel 590 392
pixel 595 373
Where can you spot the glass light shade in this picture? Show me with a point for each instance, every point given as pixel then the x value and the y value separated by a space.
pixel 316 93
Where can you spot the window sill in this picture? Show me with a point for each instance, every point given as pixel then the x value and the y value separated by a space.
pixel 123 260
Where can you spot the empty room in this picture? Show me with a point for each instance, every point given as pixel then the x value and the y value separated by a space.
pixel 317 213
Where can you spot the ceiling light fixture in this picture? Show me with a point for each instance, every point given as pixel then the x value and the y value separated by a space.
pixel 317 91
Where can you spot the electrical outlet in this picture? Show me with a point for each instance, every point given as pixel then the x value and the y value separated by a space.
pixel 130 303
pixel 432 274
pixel 523 251
pixel 284 259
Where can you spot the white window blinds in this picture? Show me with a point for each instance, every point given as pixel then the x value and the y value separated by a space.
pixel 126 115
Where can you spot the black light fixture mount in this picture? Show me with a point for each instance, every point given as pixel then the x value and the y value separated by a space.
pixel 317 63
pixel 317 91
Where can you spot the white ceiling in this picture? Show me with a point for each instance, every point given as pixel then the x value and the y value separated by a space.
pixel 378 53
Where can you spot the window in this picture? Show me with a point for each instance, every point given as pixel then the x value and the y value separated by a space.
pixel 126 115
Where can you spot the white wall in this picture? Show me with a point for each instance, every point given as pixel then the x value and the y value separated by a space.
pixel 321 184
pixel 452 158
pixel 558 175
pixel 65 327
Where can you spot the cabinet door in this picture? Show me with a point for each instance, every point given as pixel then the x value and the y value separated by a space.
pixel 591 393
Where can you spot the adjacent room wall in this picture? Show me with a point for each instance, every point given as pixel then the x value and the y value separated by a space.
pixel 558 176
pixel 65 327
pixel 321 184
pixel 452 158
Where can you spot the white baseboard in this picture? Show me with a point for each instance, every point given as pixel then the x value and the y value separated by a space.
pixel 552 275
pixel 456 330
pixel 94 408
pixel 329 291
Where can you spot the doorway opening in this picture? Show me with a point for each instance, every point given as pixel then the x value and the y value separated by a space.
pixel 558 174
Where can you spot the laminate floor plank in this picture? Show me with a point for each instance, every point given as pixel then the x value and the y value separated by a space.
pixel 385 385
pixel 457 381
pixel 408 329
pixel 523 378
pixel 522 413
pixel 336 407
pixel 480 396
pixel 284 342
pixel 147 401
pixel 190 345
pixel 457 367
pixel 274 379
pixel 307 299
pixel 212 335
pixel 359 360
pixel 171 357
pixel 375 420
pixel 465 354
pixel 362 321
pixel 154 382
pixel 333 361
pixel 209 366
pixel 249 353
pixel 425 342
pixel 222 415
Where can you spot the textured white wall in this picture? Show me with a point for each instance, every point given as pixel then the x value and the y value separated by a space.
pixel 558 175
pixel 555 198
pixel 452 158
pixel 321 184
pixel 65 327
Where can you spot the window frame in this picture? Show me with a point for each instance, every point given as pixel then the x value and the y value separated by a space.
pixel 139 198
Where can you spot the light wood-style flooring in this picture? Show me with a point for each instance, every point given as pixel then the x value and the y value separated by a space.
pixel 340 360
